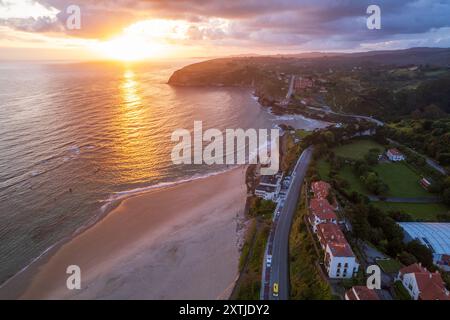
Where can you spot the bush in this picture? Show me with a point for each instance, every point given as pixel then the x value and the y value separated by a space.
pixel 400 292
pixel 407 258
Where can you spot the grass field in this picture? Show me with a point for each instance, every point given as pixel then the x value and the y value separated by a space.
pixel 389 265
pixel 358 149
pixel 402 181
pixel 323 167
pixel 347 174
pixel 420 211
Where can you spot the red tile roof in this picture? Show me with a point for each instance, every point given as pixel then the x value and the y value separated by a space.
pixel 330 234
pixel 413 268
pixel 321 189
pixel 341 249
pixel 395 152
pixel 362 293
pixel 431 286
pixel 322 209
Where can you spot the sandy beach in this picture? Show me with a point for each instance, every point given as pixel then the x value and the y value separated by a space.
pixel 179 242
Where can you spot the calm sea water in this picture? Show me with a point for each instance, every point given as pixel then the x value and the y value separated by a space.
pixel 74 137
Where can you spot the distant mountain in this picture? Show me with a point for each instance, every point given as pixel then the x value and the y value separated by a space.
pixel 245 70
pixel 418 56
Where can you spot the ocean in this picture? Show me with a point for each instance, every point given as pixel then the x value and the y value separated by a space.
pixel 77 137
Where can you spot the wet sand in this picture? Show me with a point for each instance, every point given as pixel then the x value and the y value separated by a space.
pixel 179 242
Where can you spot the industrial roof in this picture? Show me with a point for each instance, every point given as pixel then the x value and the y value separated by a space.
pixel 434 235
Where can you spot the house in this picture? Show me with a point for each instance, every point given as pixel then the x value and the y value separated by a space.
pixel 361 293
pixel 340 261
pixel 321 189
pixel 422 284
pixel 269 187
pixel 395 155
pixel 265 192
pixel 320 211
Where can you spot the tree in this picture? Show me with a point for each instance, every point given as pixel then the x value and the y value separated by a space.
pixel 407 258
pixel 446 196
pixel 371 158
pixel 421 252
pixel 329 137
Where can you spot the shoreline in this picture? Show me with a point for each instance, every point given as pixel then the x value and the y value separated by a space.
pixel 205 203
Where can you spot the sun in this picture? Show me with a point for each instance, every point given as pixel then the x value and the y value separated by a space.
pixel 143 40
pixel 129 48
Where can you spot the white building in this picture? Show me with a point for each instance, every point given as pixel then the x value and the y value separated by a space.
pixel 265 192
pixel 269 187
pixel 422 284
pixel 340 261
pixel 395 155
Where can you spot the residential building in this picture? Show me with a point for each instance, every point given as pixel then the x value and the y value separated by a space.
pixel 422 284
pixel 395 155
pixel 269 187
pixel 320 189
pixel 265 192
pixel 361 293
pixel 340 261
pixel 320 211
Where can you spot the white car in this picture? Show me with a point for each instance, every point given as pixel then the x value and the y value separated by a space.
pixel 269 260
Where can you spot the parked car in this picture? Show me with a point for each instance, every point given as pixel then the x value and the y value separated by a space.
pixel 269 261
pixel 275 289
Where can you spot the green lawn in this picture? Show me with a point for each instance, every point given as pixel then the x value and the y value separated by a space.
pixel 389 265
pixel 347 174
pixel 323 168
pixel 421 211
pixel 402 181
pixel 357 149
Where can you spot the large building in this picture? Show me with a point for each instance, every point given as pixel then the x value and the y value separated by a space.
pixel 422 284
pixel 340 261
pixel 434 235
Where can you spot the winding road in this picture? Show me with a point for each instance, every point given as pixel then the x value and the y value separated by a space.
pixel 280 249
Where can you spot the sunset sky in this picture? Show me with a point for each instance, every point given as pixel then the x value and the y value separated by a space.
pixel 141 29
